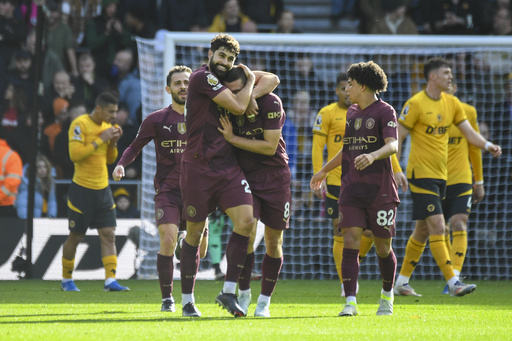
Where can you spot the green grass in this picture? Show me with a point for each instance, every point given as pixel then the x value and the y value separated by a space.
pixel 301 310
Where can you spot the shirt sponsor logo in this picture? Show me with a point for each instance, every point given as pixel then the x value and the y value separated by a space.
pixel 437 130
pixel 276 114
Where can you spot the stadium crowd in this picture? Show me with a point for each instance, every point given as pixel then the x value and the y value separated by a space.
pixel 89 48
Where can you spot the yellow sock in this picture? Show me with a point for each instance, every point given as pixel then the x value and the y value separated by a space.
pixel 366 245
pixel 110 265
pixel 413 252
pixel 448 243
pixel 67 268
pixel 441 255
pixel 460 247
pixel 337 252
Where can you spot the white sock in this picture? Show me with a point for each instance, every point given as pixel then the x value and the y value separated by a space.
pixel 351 299
pixel 187 298
pixel 263 298
pixel 456 272
pixel 452 281
pixel 65 280
pixel 229 287
pixel 109 280
pixel 240 292
pixel 401 280
pixel 388 294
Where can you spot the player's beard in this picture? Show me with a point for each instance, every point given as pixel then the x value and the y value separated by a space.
pixel 215 69
pixel 177 99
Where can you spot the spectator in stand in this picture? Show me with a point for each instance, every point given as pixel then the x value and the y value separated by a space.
pixel 127 82
pixel 263 12
pixel 60 109
pixel 286 23
pixel 20 141
pixel 341 9
pixel 88 85
pixel 133 170
pixel 211 7
pixel 10 177
pixel 124 207
pixel 61 158
pixel 76 13
pixel 454 17
pixel 28 11
pixel 138 25
pixel 190 15
pixel 105 36
pixel 231 19
pixel 20 74
pixel 15 107
pixel 396 20
pixel 503 22
pixel 45 201
pixel 13 31
pixel 59 38
pixel 61 88
pixel 51 63
pixel 369 11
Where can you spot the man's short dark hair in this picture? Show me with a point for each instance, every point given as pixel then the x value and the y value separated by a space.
pixel 369 74
pixel 342 77
pixel 105 98
pixel 434 64
pixel 227 41
pixel 235 74
pixel 176 69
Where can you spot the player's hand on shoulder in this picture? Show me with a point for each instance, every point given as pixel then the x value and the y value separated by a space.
pixel 118 173
pixel 401 181
pixel 248 72
pixel 252 108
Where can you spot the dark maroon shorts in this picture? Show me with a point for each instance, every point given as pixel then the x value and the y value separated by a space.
pixel 168 208
pixel 380 220
pixel 271 194
pixel 202 191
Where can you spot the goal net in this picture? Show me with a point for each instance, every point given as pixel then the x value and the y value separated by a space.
pixel 307 65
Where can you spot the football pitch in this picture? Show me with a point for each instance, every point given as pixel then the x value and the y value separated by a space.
pixel 300 309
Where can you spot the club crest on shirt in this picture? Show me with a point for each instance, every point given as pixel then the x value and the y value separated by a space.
pixel 182 128
pixel 358 122
pixel 439 118
pixel 76 133
pixel 240 120
pixel 370 123
pixel 212 80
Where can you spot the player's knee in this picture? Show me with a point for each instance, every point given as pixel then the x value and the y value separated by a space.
pixel 167 242
pixel 459 225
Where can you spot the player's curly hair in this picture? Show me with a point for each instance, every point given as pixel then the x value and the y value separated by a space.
pixel 434 64
pixel 226 41
pixel 176 69
pixel 369 74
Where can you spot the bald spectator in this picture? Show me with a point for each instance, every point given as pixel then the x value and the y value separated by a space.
pixel 61 88
pixel 231 19
pixel 127 82
pixel 396 20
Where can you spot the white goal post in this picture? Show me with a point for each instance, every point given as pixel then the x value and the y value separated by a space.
pixel 482 67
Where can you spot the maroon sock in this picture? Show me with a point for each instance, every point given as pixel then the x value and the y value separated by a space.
pixel 270 270
pixel 387 270
pixel 189 260
pixel 236 251
pixel 350 271
pixel 244 281
pixel 165 269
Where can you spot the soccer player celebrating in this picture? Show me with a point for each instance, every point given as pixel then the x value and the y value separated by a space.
pixel 167 128
pixel 369 193
pixel 427 116
pixel 210 174
pixel 261 153
pixel 92 145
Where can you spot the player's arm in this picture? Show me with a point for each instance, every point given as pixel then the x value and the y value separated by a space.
pixel 265 83
pixel 237 103
pixel 267 146
pixel 478 140
pixel 402 133
pixel 364 160
pixel 400 178
pixel 317 157
pixel 318 178
pixel 475 157
pixel 12 176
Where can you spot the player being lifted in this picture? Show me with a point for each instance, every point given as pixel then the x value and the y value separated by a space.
pixel 210 174
pixel 328 131
pixel 167 128
pixel 427 116
pixel 261 153
pixel 369 194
